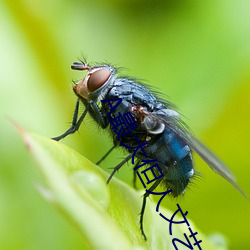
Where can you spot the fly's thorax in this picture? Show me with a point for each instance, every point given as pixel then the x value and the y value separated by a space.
pixel 92 86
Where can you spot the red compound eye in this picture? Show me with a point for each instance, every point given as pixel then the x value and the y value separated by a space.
pixel 97 79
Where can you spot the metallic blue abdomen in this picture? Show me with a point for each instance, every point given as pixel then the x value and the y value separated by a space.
pixel 172 153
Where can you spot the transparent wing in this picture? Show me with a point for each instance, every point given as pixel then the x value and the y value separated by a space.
pixel 175 124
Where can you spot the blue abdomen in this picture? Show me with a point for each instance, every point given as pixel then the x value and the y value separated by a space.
pixel 175 159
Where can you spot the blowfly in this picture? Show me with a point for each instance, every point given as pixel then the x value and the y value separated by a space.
pixel 158 127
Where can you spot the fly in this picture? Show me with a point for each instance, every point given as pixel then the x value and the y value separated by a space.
pixel 158 123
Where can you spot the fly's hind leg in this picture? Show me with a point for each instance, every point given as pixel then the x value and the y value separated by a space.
pixel 134 173
pixel 144 201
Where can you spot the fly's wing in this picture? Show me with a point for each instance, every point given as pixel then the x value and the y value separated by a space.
pixel 212 160
pixel 174 123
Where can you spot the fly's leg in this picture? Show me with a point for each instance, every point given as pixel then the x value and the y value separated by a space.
pixel 92 108
pixel 75 124
pixel 134 174
pixel 105 155
pixel 144 201
pixel 98 115
pixel 119 166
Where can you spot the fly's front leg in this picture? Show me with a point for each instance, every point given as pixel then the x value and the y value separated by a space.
pixel 75 123
pixel 97 114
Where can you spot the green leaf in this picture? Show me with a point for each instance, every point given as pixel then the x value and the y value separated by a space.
pixel 106 215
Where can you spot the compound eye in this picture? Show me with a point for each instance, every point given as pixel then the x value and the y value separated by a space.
pixel 97 79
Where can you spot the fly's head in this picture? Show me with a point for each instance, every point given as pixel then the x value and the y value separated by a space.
pixel 93 83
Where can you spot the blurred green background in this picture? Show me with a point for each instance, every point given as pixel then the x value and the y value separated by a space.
pixel 195 52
